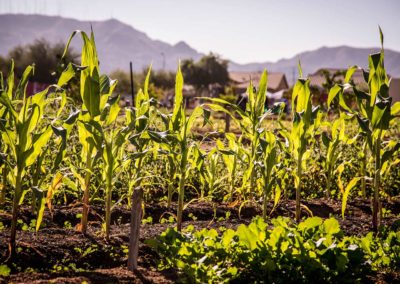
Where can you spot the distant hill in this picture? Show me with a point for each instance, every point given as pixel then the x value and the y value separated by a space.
pixel 325 57
pixel 118 43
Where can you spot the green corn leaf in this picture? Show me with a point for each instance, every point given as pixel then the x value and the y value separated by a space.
pixel 90 91
pixel 90 78
pixel 325 139
pixel 10 81
pixel 113 105
pixel 6 101
pixel 53 187
pixel 69 183
pixel 364 124
pixel 262 94
pixel 277 196
pixel 381 113
pixel 299 69
pixel 146 85
pixel 346 193
pixel 40 201
pixel 395 109
pixel 37 146
pixel 178 102
pixel 388 153
pixel 350 73
pixel 62 103
pixel 66 75
pixel 21 88
pixel 96 136
pixel 197 112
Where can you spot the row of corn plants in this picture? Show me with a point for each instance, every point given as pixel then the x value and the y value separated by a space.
pixel 49 144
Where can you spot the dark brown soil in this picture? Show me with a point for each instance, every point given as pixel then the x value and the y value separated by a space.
pixel 60 254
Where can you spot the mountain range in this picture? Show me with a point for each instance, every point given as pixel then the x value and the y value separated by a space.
pixel 119 43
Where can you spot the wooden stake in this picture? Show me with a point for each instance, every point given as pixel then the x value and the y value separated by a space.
pixel 136 217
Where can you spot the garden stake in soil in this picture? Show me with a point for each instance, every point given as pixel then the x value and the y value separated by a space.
pixel 136 217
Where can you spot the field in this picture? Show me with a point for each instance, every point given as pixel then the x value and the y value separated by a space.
pixel 306 196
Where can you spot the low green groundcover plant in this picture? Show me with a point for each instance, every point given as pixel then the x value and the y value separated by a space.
pixel 314 250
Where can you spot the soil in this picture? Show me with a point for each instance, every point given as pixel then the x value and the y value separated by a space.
pixel 58 253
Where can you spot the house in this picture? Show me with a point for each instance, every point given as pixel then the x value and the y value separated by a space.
pixel 394 89
pixel 276 86
pixel 241 80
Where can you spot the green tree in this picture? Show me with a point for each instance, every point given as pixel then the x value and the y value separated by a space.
pixel 211 69
pixel 46 57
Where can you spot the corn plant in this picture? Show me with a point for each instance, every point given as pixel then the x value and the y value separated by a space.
pixel 269 146
pixel 24 132
pixel 250 125
pixel 230 156
pixel 114 142
pixel 374 115
pixel 175 140
pixel 332 143
pixel 140 119
pixel 98 108
pixel 210 175
pixel 303 126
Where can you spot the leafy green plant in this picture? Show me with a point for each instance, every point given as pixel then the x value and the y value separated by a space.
pixel 313 249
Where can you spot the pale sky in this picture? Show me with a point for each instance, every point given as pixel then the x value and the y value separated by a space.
pixel 243 31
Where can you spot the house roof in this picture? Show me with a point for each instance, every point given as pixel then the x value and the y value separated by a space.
pixel 242 79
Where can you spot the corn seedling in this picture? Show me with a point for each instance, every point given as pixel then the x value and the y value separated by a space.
pixel 250 125
pixel 230 157
pixel 269 147
pixel 303 125
pixel 332 143
pixel 176 139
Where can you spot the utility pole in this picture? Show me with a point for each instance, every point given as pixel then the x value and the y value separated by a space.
pixel 163 62
pixel 132 85
pixel 293 76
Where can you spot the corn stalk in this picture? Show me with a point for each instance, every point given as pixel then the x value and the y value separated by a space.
pixel 304 116
pixel 175 140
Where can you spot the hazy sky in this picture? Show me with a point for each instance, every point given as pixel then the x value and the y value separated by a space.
pixel 244 31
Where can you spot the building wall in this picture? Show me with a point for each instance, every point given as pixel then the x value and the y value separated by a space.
pixel 394 89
